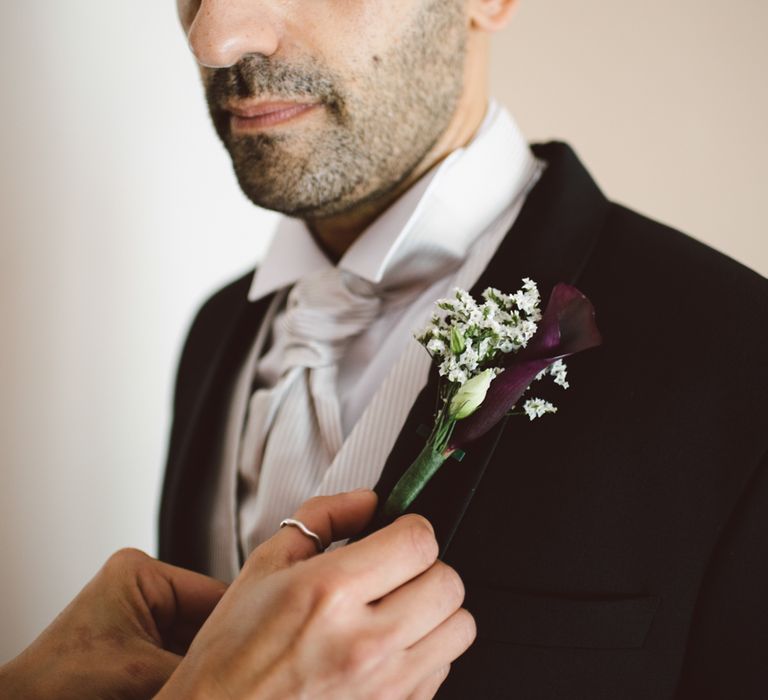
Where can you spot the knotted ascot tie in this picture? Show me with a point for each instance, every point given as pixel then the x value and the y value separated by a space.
pixel 298 420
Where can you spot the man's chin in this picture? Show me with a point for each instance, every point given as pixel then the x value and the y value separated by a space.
pixel 285 200
pixel 304 205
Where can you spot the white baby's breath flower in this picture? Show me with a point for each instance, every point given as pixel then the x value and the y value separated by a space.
pixel 528 299
pixel 469 358
pixel 466 337
pixel 535 408
pixel 456 374
pixel 436 347
pixel 559 372
pixel 484 349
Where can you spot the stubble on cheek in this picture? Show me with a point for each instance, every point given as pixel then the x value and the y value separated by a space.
pixel 377 122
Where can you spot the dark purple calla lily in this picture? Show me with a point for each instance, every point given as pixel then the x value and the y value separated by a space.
pixel 567 327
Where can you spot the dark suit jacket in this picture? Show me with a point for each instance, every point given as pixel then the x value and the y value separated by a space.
pixel 617 550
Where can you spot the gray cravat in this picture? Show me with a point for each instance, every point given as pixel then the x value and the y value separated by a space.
pixel 298 420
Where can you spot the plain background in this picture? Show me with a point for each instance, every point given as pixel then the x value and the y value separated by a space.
pixel 119 214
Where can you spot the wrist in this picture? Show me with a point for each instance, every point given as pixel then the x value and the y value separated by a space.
pixel 19 678
pixel 188 685
pixel 205 684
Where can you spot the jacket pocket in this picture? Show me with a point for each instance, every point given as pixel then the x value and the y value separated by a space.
pixel 577 622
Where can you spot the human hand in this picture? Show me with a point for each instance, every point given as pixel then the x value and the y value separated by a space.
pixel 378 618
pixel 119 637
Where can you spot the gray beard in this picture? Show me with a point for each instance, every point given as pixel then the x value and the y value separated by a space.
pixel 368 142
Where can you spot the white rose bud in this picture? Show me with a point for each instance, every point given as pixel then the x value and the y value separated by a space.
pixel 458 344
pixel 470 395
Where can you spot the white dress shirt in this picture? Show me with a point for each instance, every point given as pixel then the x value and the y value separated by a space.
pixel 439 234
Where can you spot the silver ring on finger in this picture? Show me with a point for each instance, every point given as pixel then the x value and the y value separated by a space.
pixel 292 522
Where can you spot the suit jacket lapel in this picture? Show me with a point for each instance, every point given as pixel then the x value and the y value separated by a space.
pixel 550 242
pixel 189 474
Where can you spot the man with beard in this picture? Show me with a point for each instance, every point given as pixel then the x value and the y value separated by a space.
pixel 616 550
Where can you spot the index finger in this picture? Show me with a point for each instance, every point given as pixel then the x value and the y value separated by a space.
pixel 330 517
pixel 386 559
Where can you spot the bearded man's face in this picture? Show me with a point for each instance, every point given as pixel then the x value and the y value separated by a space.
pixel 324 105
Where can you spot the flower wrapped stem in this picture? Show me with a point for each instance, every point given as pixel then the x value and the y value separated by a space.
pixel 413 481
pixel 429 460
pixel 488 355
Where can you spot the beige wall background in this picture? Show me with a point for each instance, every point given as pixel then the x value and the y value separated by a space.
pixel 664 100
pixel 119 213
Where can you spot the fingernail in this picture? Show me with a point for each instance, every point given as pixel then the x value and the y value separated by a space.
pixel 420 517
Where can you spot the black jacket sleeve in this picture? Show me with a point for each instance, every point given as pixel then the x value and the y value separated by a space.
pixel 727 654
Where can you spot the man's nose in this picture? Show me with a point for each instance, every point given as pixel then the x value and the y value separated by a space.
pixel 223 31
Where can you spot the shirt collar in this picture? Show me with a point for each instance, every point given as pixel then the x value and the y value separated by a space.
pixel 429 229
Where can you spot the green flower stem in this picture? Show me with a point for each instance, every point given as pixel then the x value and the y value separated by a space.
pixel 424 467
pixel 413 481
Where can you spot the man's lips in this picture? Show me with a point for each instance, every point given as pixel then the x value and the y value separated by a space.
pixel 267 114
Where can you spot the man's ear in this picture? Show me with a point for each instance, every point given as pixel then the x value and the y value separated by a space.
pixel 491 15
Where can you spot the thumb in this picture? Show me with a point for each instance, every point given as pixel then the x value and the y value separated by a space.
pixel 180 601
pixel 332 518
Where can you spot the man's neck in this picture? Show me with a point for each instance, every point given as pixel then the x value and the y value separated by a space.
pixel 335 234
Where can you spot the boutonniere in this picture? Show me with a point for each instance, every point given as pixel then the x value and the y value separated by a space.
pixel 488 355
